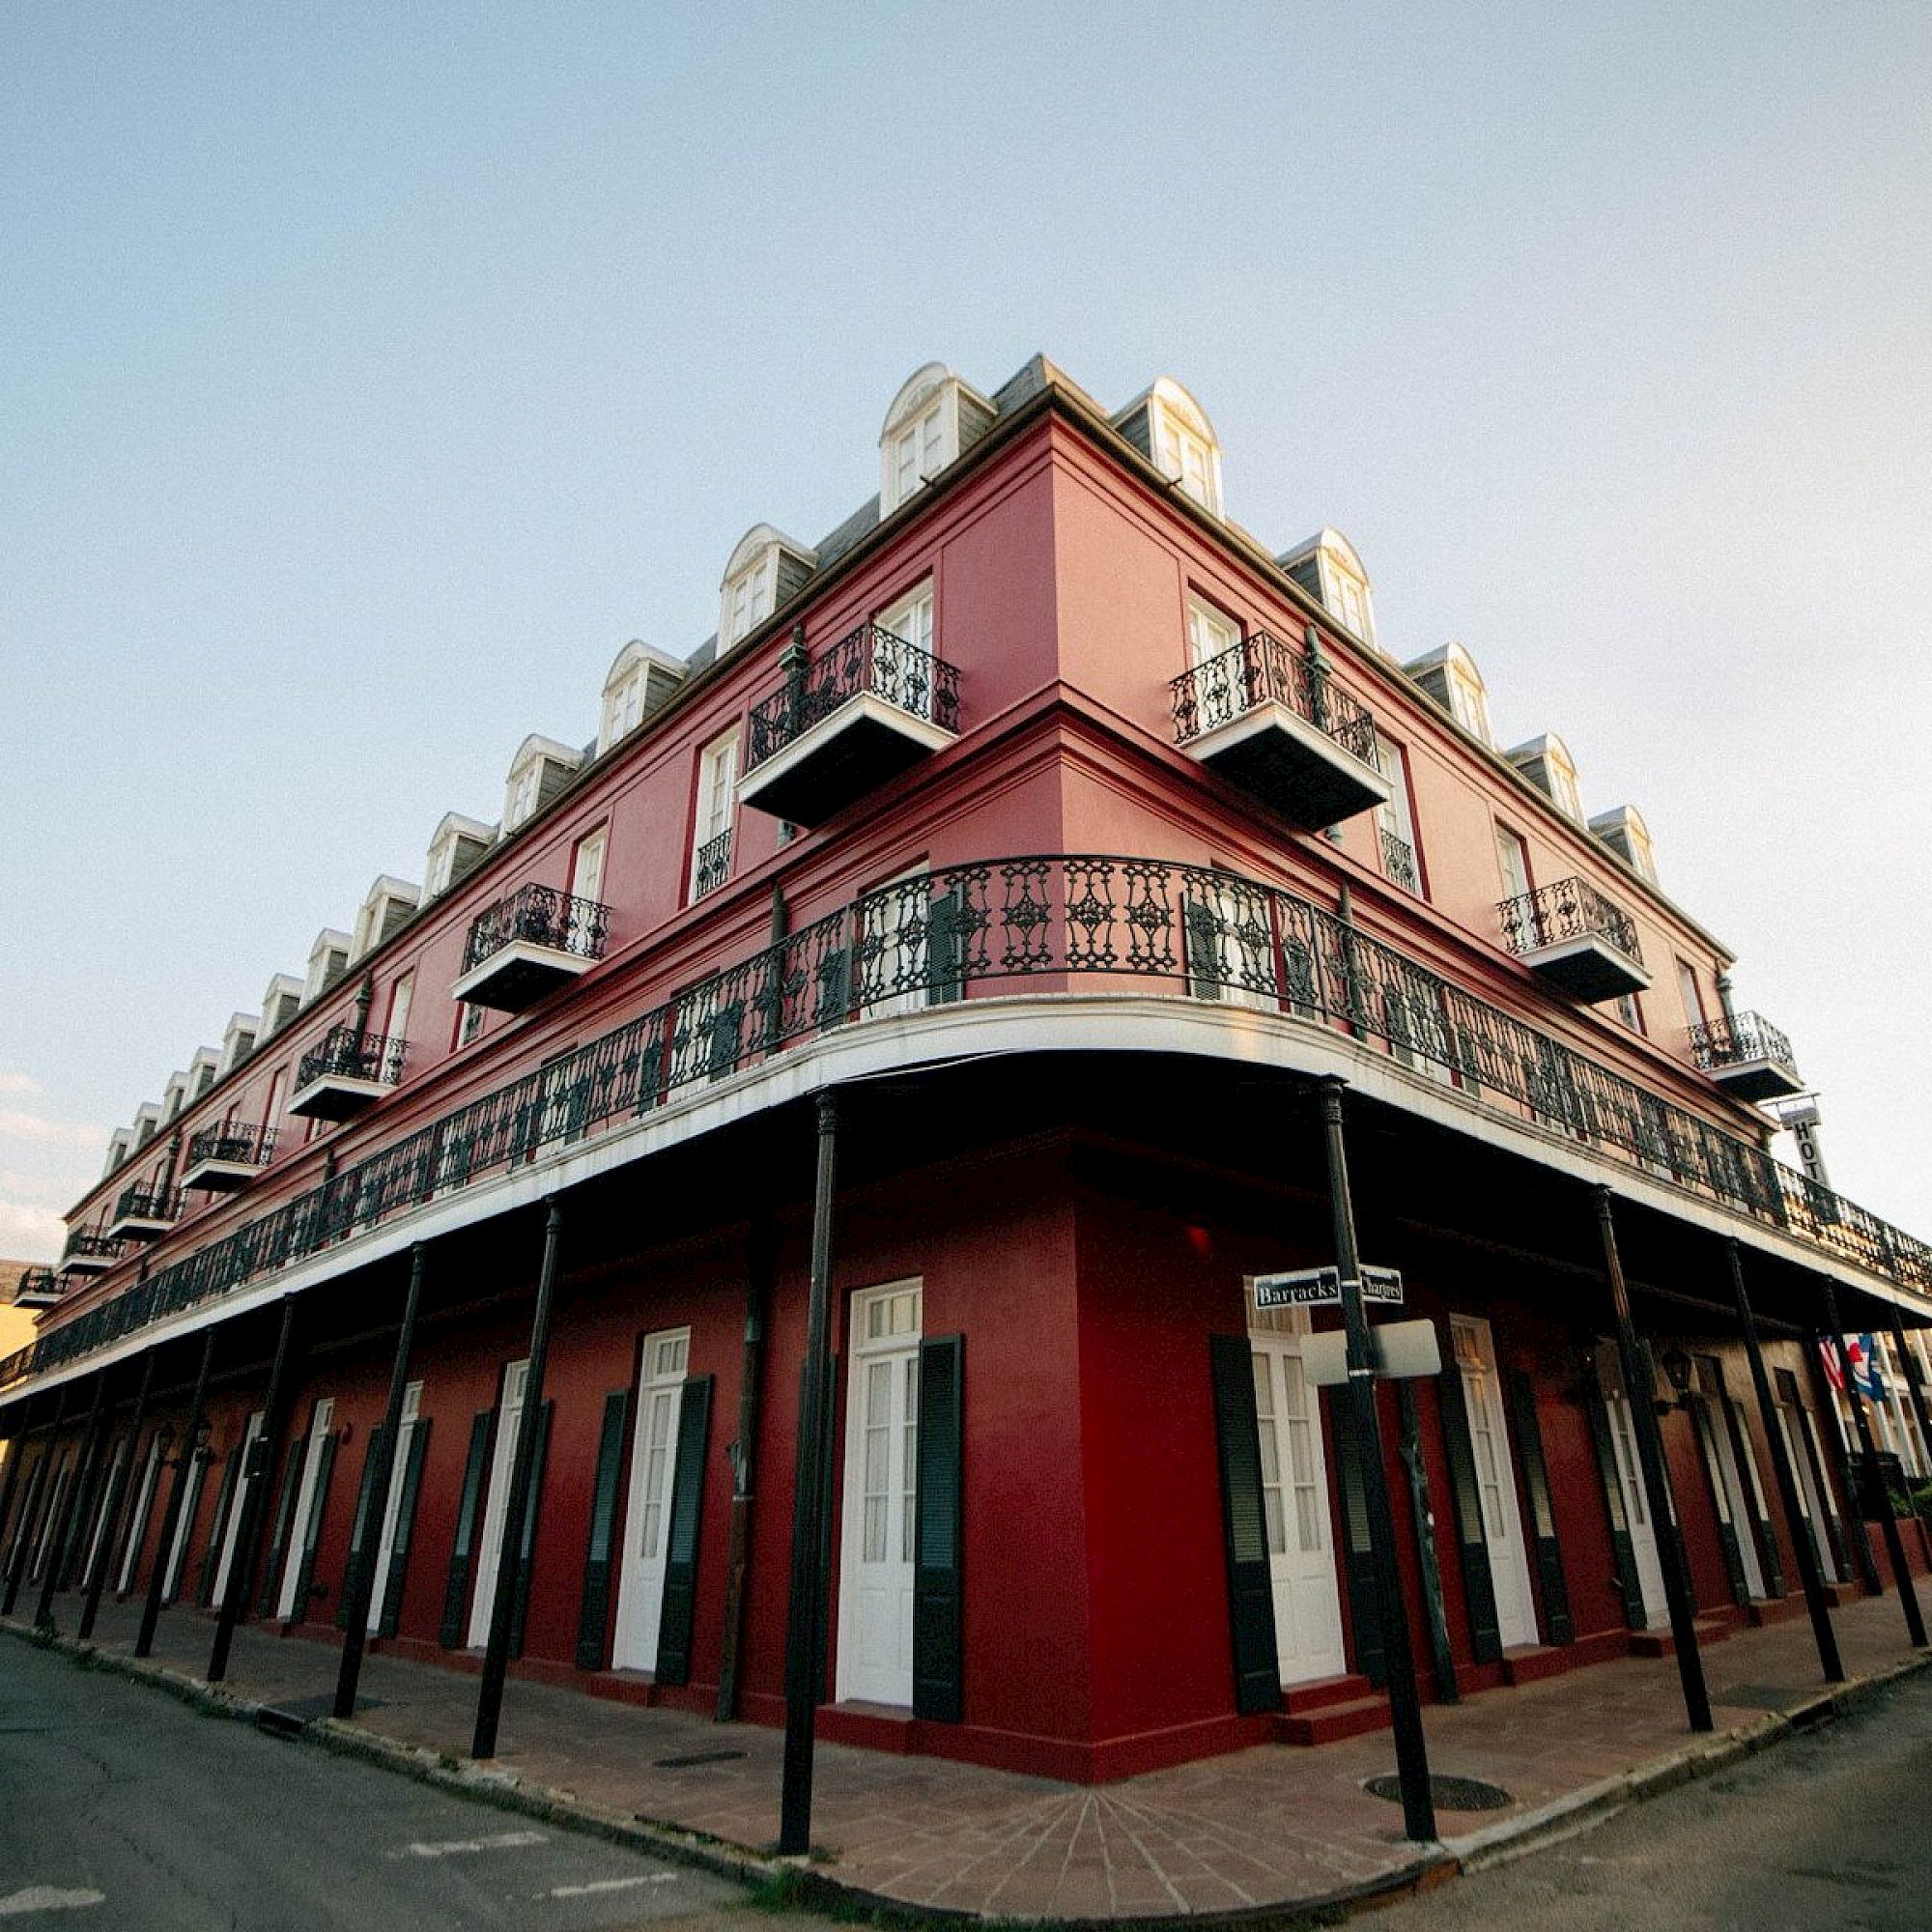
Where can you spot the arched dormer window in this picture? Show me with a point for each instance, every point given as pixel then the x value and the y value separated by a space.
pixel 1450 676
pixel 1172 431
pixel 934 418
pixel 1626 833
pixel 766 569
pixel 1327 567
pixel 1546 763
pixel 639 681
pixel 540 770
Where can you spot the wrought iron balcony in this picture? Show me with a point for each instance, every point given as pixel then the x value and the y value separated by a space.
pixel 1398 861
pixel 1279 727
pixel 37 1288
pixel 143 1214
pixel 1577 939
pixel 529 944
pixel 349 1072
pixel 861 713
pixel 89 1251
pixel 711 864
pixel 1747 1056
pixel 223 1159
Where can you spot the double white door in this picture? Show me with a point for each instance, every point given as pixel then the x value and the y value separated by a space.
pixel 881 1476
pixel 1735 1503
pixel 399 1463
pixel 640 1575
pixel 509 1410
pixel 239 1492
pixel 137 1519
pixel 1294 1501
pixel 298 1537
pixel 1495 1480
pixel 1630 1480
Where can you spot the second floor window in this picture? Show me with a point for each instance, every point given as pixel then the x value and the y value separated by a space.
pixel 1210 632
pixel 1513 860
pixel 397 1025
pixel 1692 997
pixel 717 803
pixel 1396 820
pixel 908 680
pixel 587 887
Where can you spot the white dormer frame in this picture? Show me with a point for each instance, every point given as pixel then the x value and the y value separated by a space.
pixel 173 1097
pixel 147 1124
pixel 440 862
pixel 1340 581
pixel 237 1039
pixel 933 419
pixel 120 1144
pixel 750 590
pixel 1463 693
pixel 281 990
pixel 328 942
pixel 626 688
pixel 522 789
pixel 1626 833
pixel 1182 442
pixel 374 914
pixel 203 1072
pixel 1559 772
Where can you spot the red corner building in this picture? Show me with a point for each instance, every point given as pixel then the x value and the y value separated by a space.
pixel 1052 858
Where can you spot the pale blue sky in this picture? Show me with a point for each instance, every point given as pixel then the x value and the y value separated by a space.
pixel 368 374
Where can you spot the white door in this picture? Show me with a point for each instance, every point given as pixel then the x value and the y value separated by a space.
pixel 291 1555
pixel 177 1555
pixel 1808 1493
pixel 1821 1507
pixel 1630 1479
pixel 238 1503
pixel 1495 1480
pixel 640 1575
pixel 907 678
pixel 881 1469
pixel 1734 1508
pixel 1294 1500
pixel 586 884
pixel 114 1454
pixel 137 1521
pixel 509 1407
pixel 399 1463
pixel 51 1520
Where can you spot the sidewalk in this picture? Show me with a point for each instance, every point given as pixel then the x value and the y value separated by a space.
pixel 1271 1827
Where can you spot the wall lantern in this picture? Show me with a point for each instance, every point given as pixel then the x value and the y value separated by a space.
pixel 1676 1366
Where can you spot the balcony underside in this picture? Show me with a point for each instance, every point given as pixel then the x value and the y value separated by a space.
pixel 1764 1079
pixel 835 763
pixel 215 1176
pixel 1274 754
pixel 137 1227
pixel 519 974
pixel 337 1097
pixel 1589 969
pixel 88 1264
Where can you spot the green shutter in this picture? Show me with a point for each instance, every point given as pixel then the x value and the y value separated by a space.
pixel 831 999
pixel 211 1561
pixel 280 1550
pixel 358 1530
pixel 311 1530
pixel 938 1604
pixel 1479 1589
pixel 678 1615
pixel 1721 1502
pixel 946 935
pixel 1769 1562
pixel 462 1551
pixel 390 1617
pixel 1422 1518
pixel 1629 1587
pixel 1202 933
pixel 1521 1394
pixel 1828 1499
pixel 1244 1525
pixel 593 1617
pixel 520 1601
pixel 1365 1614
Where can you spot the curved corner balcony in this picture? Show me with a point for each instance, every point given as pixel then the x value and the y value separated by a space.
pixel 349 1072
pixel 1570 934
pixel 89 1251
pixel 37 1288
pixel 224 1159
pixel 1268 720
pixel 143 1214
pixel 862 711
pixel 528 945
pixel 1747 1056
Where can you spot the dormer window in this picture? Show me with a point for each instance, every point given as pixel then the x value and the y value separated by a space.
pixel 767 569
pixel 202 1071
pixel 1172 431
pixel 459 844
pixel 1328 568
pixel 237 1042
pixel 328 961
pixel 280 1002
pixel 385 910
pixel 1450 676
pixel 933 419
pixel 639 681
pixel 1546 763
pixel 540 770
pixel 1626 833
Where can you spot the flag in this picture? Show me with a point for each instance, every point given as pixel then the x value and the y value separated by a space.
pixel 1871 1366
pixel 1835 1372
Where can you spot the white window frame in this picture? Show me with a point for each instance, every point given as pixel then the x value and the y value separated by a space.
pixel 708 822
pixel 750 597
pixel 402 994
pixel 911 620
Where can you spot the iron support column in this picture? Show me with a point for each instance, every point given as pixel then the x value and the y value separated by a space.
pixel 759 1268
pixel 1639 1390
pixel 119 1482
pixel 1895 1543
pixel 254 1502
pixel 188 1449
pixel 1785 1476
pixel 363 1572
pixel 15 1444
pixel 1412 1753
pixel 57 1553
pixel 805 1619
pixel 509 1554
pixel 32 1508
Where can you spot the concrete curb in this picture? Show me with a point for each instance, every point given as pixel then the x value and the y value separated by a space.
pixel 815 1887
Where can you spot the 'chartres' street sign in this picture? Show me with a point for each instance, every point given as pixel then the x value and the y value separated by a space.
pixel 1313 1288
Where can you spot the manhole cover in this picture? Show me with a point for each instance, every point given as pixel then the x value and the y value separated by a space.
pixel 691 1758
pixel 1450 1793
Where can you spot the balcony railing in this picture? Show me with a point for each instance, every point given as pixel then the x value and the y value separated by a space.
pixel 1747 1056
pixel 1262 669
pixel 143 1212
pixel 90 1250
pixel 870 662
pixel 237 1145
pixel 538 915
pixel 1398 861
pixel 37 1288
pixel 711 864
pixel 1568 909
pixel 999 926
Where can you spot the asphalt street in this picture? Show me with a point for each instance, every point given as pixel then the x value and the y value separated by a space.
pixel 1828 1833
pixel 122 1807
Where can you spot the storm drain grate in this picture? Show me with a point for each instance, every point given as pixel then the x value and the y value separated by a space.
pixel 691 1759
pixel 1450 1793
pixel 298 1713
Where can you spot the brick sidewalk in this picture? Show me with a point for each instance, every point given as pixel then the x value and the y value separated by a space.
pixel 1270 1825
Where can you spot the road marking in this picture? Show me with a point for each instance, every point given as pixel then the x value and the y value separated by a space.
pixel 610 1884
pixel 45 1898
pixel 449 1848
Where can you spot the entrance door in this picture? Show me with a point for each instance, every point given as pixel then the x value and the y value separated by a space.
pixel 106 1489
pixel 1630 1479
pixel 49 1523
pixel 137 1522
pixel 399 1463
pixel 1735 1504
pixel 640 1579
pixel 176 1553
pixel 320 1418
pixel 1295 1499
pixel 881 1469
pixel 238 1504
pixel 509 1407
pixel 1800 1456
pixel 1495 1480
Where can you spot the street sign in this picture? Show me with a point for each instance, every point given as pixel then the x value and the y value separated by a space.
pixel 1401 1350
pixel 1317 1288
